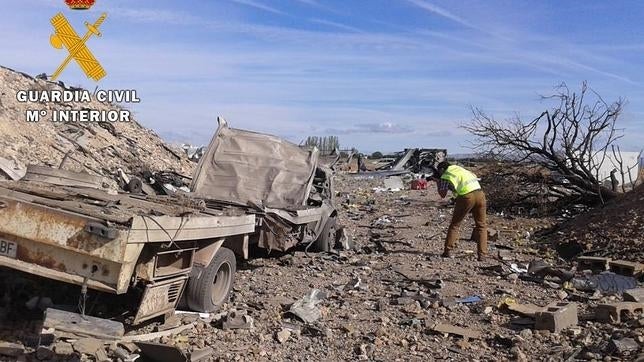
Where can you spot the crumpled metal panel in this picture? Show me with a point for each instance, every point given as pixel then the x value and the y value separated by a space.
pixel 251 168
pixel 275 234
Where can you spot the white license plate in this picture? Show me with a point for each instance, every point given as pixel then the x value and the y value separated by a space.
pixel 8 248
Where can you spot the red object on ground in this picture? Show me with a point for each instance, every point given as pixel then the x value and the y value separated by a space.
pixel 420 184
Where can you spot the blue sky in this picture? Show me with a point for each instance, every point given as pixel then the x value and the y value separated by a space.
pixel 380 74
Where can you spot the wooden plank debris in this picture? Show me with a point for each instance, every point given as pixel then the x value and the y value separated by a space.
pixel 80 325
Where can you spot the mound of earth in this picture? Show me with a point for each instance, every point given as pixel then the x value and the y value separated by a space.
pixel 614 230
pixel 93 147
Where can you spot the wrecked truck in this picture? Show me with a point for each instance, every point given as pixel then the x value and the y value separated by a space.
pixel 248 189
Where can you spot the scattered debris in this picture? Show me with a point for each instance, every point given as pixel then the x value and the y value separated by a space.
pixel 417 160
pixel 394 183
pixel 283 335
pixel 557 316
pixel 469 300
pixel 63 348
pixel 528 310
pixel 194 153
pixel 155 335
pixel 88 346
pixel 605 282
pixel 466 333
pixel 623 346
pixel 159 352
pixel 11 349
pixel 613 312
pixel 418 184
pixel 236 319
pixel 306 308
pixel 634 295
pixel 75 323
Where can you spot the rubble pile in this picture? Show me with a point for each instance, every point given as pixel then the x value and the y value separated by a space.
pixel 613 230
pixel 92 147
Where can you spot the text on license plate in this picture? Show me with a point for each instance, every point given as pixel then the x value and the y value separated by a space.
pixel 8 248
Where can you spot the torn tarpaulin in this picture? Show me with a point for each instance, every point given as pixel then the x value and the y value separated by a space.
pixel 606 282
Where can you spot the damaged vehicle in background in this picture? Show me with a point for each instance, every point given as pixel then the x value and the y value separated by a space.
pixel 248 189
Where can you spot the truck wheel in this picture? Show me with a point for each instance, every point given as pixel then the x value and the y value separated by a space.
pixel 209 287
pixel 326 241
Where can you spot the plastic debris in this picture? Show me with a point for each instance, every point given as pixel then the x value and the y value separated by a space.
pixel 469 300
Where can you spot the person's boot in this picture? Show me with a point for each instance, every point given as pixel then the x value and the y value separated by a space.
pixel 482 257
pixel 446 254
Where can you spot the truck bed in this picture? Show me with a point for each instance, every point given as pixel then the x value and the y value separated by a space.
pixel 79 235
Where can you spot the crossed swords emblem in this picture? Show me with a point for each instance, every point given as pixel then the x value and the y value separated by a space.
pixel 64 35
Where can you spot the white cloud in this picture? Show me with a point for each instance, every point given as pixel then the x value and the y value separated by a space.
pixel 336 25
pixel 260 6
pixel 442 12
pixel 369 128
pixel 309 2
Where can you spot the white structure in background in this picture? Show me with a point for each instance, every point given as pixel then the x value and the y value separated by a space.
pixel 630 161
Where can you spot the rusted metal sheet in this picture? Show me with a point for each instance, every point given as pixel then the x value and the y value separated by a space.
pixel 160 298
pixel 55 274
pixel 56 244
pixel 55 227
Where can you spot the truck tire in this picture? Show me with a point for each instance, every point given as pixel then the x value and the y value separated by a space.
pixel 326 241
pixel 209 287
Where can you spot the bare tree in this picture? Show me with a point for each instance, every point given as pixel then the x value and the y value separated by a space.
pixel 570 139
pixel 623 169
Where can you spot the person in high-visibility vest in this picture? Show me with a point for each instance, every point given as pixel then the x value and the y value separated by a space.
pixel 469 198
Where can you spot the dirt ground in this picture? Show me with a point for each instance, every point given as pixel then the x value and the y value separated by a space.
pixel 383 298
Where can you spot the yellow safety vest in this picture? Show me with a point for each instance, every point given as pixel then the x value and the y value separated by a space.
pixel 463 180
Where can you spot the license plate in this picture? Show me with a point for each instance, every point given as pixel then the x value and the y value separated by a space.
pixel 8 248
